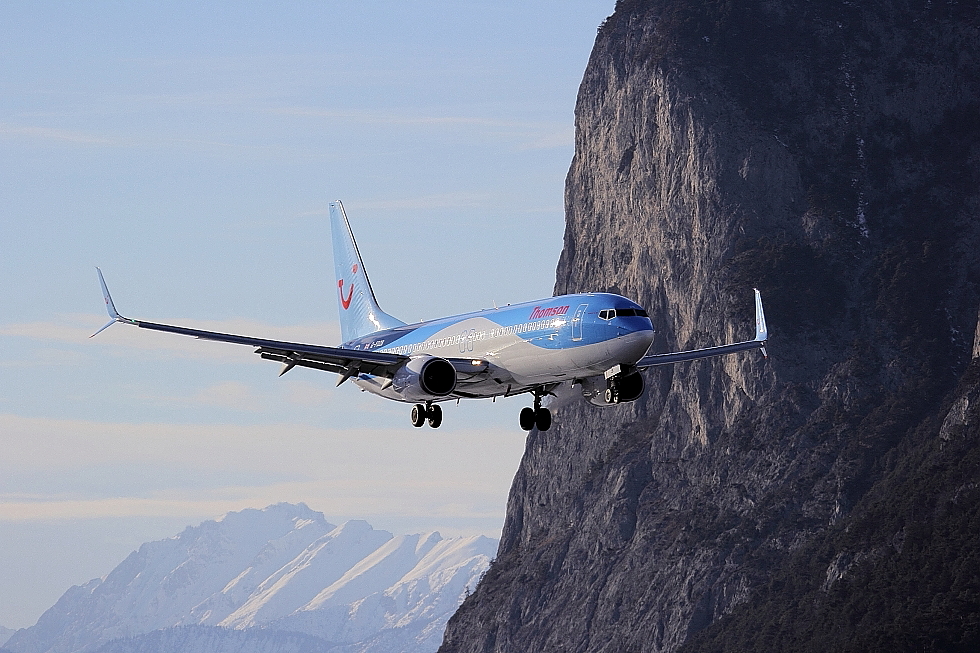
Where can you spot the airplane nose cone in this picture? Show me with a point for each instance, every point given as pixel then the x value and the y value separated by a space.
pixel 635 345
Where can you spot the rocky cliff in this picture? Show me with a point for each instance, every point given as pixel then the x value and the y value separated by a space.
pixel 827 152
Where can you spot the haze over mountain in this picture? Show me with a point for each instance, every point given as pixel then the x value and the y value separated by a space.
pixel 278 579
pixel 827 498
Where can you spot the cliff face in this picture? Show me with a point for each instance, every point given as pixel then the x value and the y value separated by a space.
pixel 829 154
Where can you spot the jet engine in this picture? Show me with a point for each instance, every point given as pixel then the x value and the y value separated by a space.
pixel 600 392
pixel 424 377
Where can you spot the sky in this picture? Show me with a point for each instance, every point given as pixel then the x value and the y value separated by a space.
pixel 190 150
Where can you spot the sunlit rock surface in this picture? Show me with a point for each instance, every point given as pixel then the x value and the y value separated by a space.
pixel 827 153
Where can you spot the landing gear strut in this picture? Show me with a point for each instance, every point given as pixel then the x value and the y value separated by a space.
pixel 427 413
pixel 537 416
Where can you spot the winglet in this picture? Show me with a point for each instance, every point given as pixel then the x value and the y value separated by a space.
pixel 761 331
pixel 759 342
pixel 108 300
pixel 110 307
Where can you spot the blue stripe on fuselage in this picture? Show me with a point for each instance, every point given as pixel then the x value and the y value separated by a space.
pixel 529 321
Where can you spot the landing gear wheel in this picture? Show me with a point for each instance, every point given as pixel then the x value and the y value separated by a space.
pixel 434 415
pixel 543 419
pixel 611 396
pixel 418 415
pixel 527 419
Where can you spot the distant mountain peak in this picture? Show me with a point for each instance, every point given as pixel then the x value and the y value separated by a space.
pixel 281 569
pixel 5 634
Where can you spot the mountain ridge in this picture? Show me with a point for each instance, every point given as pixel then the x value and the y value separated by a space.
pixel 261 579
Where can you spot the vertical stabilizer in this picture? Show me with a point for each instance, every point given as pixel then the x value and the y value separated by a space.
pixel 359 310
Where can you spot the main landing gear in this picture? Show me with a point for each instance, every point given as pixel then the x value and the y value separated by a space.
pixel 537 416
pixel 429 412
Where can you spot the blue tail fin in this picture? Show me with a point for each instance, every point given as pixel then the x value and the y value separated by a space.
pixel 359 310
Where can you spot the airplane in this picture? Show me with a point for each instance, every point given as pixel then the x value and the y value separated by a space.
pixel 595 342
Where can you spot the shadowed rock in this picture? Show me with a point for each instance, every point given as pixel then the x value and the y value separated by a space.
pixel 829 154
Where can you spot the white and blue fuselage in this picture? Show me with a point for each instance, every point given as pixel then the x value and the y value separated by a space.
pixel 522 345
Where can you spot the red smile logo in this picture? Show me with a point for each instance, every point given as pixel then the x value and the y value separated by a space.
pixel 345 302
pixel 340 286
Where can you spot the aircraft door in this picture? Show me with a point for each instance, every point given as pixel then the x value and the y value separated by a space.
pixel 577 321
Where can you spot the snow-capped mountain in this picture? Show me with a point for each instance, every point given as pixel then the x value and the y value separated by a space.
pixel 278 579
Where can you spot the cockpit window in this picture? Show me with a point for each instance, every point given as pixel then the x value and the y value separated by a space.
pixel 610 313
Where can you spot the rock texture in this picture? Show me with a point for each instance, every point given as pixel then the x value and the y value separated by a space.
pixel 829 154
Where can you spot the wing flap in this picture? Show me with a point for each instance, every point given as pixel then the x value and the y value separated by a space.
pixel 330 359
pixel 289 361
pixel 328 354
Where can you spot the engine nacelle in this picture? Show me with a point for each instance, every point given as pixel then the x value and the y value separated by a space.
pixel 424 377
pixel 628 388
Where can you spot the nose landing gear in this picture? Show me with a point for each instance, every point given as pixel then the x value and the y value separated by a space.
pixel 537 416
pixel 612 392
pixel 431 413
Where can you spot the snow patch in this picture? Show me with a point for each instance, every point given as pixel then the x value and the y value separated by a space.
pixel 280 574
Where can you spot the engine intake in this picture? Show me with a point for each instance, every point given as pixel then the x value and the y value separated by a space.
pixel 629 387
pixel 425 377
pixel 438 377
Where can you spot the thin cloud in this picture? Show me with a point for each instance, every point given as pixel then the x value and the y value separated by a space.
pixel 435 202
pixel 429 202
pixel 531 135
pixel 308 395
pixel 119 507
pixel 231 394
pixel 342 471
pixel 76 329
pixel 345 503
pixel 306 451
pixel 142 141
pixel 63 135
pixel 386 118
pixel 562 137
pixel 49 357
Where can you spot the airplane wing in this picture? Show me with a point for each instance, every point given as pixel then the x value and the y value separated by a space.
pixel 346 362
pixel 761 335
